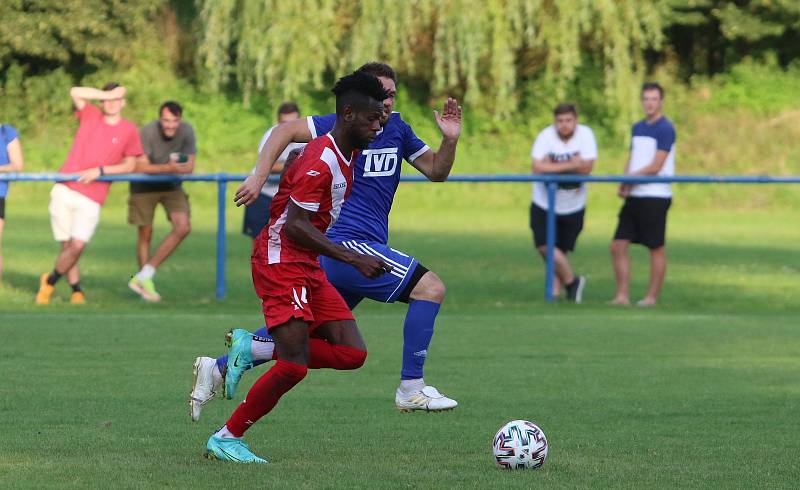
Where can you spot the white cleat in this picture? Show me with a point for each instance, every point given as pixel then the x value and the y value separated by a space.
pixel 428 399
pixel 205 385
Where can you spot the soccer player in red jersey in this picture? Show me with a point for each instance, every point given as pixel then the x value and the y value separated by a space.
pixel 309 321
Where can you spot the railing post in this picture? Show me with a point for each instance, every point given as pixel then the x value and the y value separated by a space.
pixel 550 268
pixel 221 188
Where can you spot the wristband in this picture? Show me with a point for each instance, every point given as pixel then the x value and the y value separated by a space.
pixel 102 172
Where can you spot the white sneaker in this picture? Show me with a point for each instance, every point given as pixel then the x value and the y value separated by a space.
pixel 428 399
pixel 204 387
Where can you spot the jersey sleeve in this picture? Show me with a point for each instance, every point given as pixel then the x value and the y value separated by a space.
pixel 133 147
pixel 311 183
pixel 413 147
pixel 189 146
pixel 540 147
pixel 588 148
pixel 264 139
pixel 9 133
pixel 89 111
pixel 665 137
pixel 319 125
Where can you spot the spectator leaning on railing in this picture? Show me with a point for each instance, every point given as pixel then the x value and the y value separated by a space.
pixel 643 217
pixel 105 144
pixel 565 147
pixel 256 216
pixel 169 148
pixel 10 161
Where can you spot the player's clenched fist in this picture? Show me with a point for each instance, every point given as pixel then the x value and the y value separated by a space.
pixel 369 266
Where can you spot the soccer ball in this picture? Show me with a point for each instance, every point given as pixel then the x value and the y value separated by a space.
pixel 520 445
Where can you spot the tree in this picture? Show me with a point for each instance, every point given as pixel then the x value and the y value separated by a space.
pixel 484 51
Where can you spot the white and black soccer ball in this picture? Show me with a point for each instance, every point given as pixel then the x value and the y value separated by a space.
pixel 520 444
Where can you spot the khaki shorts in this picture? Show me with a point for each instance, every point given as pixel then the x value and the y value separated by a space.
pixel 72 215
pixel 142 205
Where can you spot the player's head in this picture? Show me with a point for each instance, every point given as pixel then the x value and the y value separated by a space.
pixel 288 111
pixel 566 119
pixel 359 107
pixel 388 79
pixel 652 98
pixel 169 118
pixel 112 107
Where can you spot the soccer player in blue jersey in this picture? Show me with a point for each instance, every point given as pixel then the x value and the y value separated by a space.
pixel 363 227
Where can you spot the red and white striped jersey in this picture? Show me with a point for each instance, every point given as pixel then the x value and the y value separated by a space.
pixel 319 181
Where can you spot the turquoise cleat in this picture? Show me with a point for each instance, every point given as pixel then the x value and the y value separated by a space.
pixel 240 359
pixel 231 449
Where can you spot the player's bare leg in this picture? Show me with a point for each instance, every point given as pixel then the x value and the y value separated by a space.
pixel 622 271
pixel 658 269
pixel 424 302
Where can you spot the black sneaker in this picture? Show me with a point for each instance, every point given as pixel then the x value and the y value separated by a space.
pixel 575 290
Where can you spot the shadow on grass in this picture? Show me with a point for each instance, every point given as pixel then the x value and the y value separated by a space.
pixel 481 270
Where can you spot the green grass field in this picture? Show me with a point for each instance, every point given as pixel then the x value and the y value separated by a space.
pixel 699 392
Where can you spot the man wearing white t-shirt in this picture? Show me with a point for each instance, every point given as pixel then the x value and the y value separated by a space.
pixel 565 147
pixel 643 217
pixel 257 215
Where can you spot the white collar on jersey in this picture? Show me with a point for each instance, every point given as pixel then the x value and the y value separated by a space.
pixel 336 147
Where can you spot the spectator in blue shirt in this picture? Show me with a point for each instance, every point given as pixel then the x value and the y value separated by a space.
pixel 643 218
pixel 10 161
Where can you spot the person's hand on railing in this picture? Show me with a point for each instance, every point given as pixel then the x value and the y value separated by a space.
pixel 624 190
pixel 89 175
pixel 248 192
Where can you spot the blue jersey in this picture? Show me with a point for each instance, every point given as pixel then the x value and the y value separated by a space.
pixel 365 214
pixel 7 135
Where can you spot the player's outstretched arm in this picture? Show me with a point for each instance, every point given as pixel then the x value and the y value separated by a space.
pixel 283 134
pixel 436 166
pixel 298 227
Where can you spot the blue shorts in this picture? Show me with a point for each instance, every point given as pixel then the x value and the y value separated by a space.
pixel 353 286
pixel 256 216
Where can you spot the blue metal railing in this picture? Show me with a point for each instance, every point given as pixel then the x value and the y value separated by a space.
pixel 551 181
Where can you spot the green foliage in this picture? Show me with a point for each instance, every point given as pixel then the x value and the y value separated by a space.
pixel 84 34
pixel 484 52
pixel 709 36
pixel 758 88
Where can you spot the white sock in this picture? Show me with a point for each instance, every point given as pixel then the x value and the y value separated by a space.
pixel 216 375
pixel 224 433
pixel 262 351
pixel 147 272
pixel 409 386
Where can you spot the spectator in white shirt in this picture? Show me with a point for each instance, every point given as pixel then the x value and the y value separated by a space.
pixel 256 216
pixel 565 147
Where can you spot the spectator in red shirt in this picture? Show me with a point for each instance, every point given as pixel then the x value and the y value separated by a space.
pixel 105 144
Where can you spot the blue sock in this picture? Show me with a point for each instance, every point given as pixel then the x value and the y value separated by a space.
pixel 222 362
pixel 417 334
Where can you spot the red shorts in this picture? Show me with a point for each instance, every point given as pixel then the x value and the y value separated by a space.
pixel 297 290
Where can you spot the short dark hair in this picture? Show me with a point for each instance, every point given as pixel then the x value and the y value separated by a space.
pixel 377 69
pixel 110 86
pixel 172 106
pixel 288 107
pixel 355 90
pixel 653 86
pixel 565 108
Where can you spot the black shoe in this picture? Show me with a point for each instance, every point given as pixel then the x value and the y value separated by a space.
pixel 575 290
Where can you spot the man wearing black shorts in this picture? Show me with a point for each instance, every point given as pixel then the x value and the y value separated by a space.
pixel 643 217
pixel 565 147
